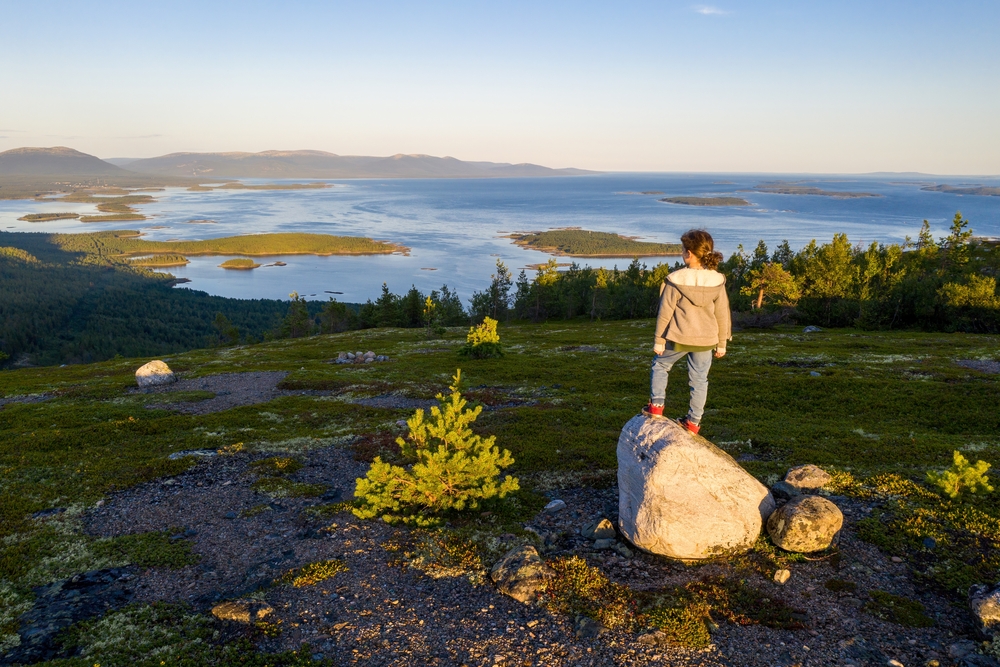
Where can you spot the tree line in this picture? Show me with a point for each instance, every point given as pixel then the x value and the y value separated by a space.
pixel 77 307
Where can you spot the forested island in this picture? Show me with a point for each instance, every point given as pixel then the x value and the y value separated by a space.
pixel 782 188
pixel 239 264
pixel 48 217
pixel 583 243
pixel 980 190
pixel 160 261
pixel 706 201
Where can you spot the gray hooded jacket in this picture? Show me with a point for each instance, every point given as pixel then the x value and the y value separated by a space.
pixel 694 309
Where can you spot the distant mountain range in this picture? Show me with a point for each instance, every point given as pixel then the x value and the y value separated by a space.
pixel 319 164
pixel 67 162
pixel 58 161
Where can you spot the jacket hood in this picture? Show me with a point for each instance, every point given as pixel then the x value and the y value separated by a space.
pixel 699 286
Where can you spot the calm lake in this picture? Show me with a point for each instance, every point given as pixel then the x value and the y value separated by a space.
pixel 456 227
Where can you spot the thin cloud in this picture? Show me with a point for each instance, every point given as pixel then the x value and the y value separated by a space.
pixel 143 136
pixel 709 10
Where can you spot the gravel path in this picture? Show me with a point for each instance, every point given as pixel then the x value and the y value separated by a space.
pixel 231 390
pixel 981 365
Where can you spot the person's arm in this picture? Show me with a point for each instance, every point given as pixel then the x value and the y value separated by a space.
pixel 725 320
pixel 668 302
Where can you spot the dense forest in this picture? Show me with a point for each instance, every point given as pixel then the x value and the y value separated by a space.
pixel 62 304
pixel 64 307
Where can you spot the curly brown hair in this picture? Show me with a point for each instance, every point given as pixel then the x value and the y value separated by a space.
pixel 699 243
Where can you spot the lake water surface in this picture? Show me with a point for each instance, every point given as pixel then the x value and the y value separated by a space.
pixel 456 226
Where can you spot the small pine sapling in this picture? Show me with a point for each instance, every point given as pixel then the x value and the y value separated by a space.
pixel 483 341
pixel 962 477
pixel 453 469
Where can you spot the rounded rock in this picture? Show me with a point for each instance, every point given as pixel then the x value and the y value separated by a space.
pixel 806 524
pixel 153 374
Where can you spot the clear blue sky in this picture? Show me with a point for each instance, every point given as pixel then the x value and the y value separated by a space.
pixel 657 86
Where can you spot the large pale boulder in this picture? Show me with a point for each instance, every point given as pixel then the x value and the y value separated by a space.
pixel 522 574
pixel 805 524
pixel 154 373
pixel 681 496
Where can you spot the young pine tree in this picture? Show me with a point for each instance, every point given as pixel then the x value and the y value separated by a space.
pixel 452 468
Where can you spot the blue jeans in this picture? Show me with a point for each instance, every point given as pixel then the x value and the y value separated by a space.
pixel 698 364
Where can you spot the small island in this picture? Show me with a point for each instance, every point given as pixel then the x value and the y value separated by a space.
pixel 119 209
pixel 239 264
pixel 202 221
pixel 782 188
pixel 706 201
pixel 159 261
pixel 235 185
pixel 583 243
pixel 48 217
pixel 976 190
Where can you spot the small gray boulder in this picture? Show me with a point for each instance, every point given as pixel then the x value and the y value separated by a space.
pixel 602 529
pixel 521 574
pixel 153 374
pixel 807 478
pixel 985 605
pixel 805 524
pixel 242 611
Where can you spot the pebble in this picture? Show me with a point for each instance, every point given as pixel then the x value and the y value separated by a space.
pixel 896 559
pixel 781 576
pixel 555 506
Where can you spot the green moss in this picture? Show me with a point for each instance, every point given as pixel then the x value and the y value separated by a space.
pixel 164 634
pixel 277 465
pixel 314 573
pixel 682 623
pixel 279 487
pixel 897 609
pixel 155 549
pixel 840 586
pixel 255 510
pixel 580 589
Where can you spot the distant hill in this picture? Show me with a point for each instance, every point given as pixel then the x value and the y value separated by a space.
pixel 319 164
pixel 56 161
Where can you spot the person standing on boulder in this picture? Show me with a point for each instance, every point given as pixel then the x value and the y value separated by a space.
pixel 694 322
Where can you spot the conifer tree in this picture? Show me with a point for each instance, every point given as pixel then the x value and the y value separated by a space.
pixel 452 468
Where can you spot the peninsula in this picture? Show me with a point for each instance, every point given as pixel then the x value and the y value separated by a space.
pixel 236 185
pixel 127 243
pixel 706 201
pixel 583 243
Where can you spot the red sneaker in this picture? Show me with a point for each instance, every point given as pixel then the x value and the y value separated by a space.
pixel 694 428
pixel 653 410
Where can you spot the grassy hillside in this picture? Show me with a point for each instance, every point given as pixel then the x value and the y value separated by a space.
pixel 878 409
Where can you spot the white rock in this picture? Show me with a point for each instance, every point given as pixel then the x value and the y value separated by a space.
pixel 781 576
pixel 154 373
pixel 683 497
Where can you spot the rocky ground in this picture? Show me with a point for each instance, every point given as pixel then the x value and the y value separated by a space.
pixel 381 611
pixel 387 608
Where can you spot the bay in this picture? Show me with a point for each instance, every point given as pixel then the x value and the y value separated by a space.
pixel 457 227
